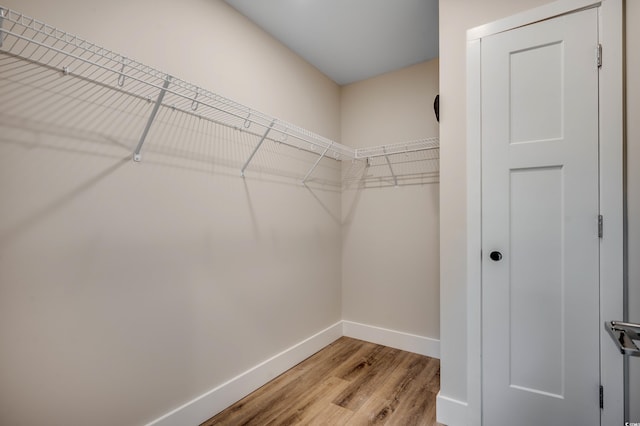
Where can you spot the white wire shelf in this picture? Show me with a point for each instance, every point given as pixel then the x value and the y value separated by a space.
pixel 398 148
pixel 35 41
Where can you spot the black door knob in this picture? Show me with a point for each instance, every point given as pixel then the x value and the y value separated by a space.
pixel 495 256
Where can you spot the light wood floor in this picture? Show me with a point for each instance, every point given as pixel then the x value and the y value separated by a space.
pixel 350 382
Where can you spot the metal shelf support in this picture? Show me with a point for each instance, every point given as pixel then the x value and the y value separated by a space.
pixel 264 136
pixel 1 21
pixel 316 164
pixel 395 178
pixel 136 154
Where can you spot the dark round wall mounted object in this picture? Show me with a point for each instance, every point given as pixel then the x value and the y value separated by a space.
pixel 436 107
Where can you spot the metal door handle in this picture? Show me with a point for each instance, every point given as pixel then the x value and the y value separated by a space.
pixel 624 334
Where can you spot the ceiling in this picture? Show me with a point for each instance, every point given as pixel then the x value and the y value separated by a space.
pixel 350 40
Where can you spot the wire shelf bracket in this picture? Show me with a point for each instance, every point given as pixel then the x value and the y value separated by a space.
pixel 136 155
pixel 386 157
pixel 304 179
pixel 2 12
pixel 264 136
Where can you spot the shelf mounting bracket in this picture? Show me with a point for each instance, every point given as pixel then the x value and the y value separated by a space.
pixel 136 154
pixel 2 12
pixel 316 163
pixel 395 178
pixel 264 136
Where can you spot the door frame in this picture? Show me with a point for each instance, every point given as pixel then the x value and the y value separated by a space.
pixel 611 196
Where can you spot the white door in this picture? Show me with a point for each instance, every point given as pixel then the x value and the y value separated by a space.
pixel 540 244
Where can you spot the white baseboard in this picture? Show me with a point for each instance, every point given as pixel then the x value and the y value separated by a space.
pixel 392 338
pixel 451 412
pixel 214 401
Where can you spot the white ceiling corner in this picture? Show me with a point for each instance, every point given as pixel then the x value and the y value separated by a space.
pixel 350 40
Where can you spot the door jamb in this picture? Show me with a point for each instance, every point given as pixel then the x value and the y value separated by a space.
pixel 611 196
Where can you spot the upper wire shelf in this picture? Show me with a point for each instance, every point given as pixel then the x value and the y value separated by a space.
pixel 38 42
pixel 398 148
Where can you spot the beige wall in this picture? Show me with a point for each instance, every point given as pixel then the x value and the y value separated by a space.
pixel 633 188
pixel 390 240
pixel 455 18
pixel 129 289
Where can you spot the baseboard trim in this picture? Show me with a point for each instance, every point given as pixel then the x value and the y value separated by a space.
pixel 392 338
pixel 217 399
pixel 451 412
pixel 214 401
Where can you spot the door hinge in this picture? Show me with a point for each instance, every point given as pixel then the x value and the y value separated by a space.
pixel 600 226
pixel 601 397
pixel 599 55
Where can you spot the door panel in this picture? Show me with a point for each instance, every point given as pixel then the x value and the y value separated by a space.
pixel 540 302
pixel 536 93
pixel 536 341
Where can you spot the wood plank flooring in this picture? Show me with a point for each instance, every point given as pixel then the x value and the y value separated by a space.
pixel 350 382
